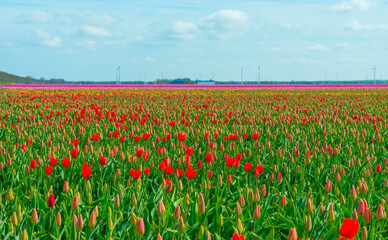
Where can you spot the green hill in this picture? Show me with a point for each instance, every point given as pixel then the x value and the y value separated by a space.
pixel 6 78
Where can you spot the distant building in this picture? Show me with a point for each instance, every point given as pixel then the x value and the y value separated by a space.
pixel 177 81
pixel 204 82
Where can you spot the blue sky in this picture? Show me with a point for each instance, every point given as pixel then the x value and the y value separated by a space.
pixel 300 40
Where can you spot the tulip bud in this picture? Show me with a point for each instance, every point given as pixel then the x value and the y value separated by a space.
pixel 133 219
pixel 241 201
pixel 367 217
pixel 58 219
pixel 80 224
pixel 353 193
pixel 342 199
pixel 220 220
pixel 331 213
pixel 283 201
pixel 240 226
pixel 66 187
pixel 140 229
pixel 133 200
pixel 201 232
pixel 117 202
pixel 111 224
pixel 202 208
pixel 364 233
pixel 307 223
pixel 293 235
pixel 181 225
pixel 380 213
pixel 256 213
pixel 74 203
pixel 208 236
pixel 310 206
pixel 328 187
pixel 92 220
pixel 161 209
pixel 177 213
pixel 238 210
pixel 34 217
pixel 354 215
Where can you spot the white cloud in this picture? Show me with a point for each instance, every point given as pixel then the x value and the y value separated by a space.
pixel 356 25
pixel 286 25
pixel 91 45
pixel 37 16
pixel 342 45
pixel 95 31
pixel 351 5
pixel 226 24
pixel 48 40
pixel 319 47
pixel 183 30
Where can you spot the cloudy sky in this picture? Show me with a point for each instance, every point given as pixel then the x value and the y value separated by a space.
pixel 300 40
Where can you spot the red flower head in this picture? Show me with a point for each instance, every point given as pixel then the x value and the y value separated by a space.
pixel 378 168
pixel 190 173
pixel 147 171
pixel 258 170
pixel 102 161
pixel 122 139
pixel 136 139
pixel 135 173
pixel 116 134
pixel 210 174
pixel 65 162
pixel 51 201
pixel 86 171
pixel 179 173
pixel 75 142
pixel 248 167
pixel 53 162
pixel 139 152
pixel 33 164
pixel 349 228
pixel 189 151
pixel 146 136
pixel 181 137
pixel 238 237
pixel 74 153
pixel 48 170
pixel 209 157
pixel 168 170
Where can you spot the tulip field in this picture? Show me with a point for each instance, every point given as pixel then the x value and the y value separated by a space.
pixel 193 164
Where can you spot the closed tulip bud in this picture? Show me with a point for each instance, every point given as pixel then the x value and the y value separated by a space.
pixel 34 217
pixel 177 213
pixel 328 187
pixel 180 185
pixel 105 188
pixel 19 212
pixel 353 193
pixel 257 195
pixel 88 186
pixel 80 223
pixel 201 232
pixel 380 213
pixel 322 209
pixel 367 217
pixel 241 201
pixel 342 199
pixel 239 225
pixel 66 187
pixel 117 202
pixel 251 196
pixel 92 220
pixel 89 199
pixel 133 219
pixel 361 207
pixel 140 229
pixel 14 219
pixel 10 195
pixel 293 235
pixel 307 223
pixel 364 233
pixel 133 200
pixel 238 210
pixel 161 209
pixel 331 213
pixel 181 225
pixel 25 235
pixel 31 194
pixel 208 236
pixel 354 215
pixel 309 206
pixel 256 213
pixel 58 219
pixel 111 226
pixel 283 201
pixel 220 221
pixel 202 207
pixel 75 202
pixel 159 237
pixel 337 191
pixel 187 199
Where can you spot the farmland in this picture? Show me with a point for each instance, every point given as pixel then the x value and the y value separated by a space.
pixel 284 163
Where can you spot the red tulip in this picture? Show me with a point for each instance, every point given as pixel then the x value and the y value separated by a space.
pixel 33 164
pixel 65 162
pixel 75 142
pixel 74 153
pixel 248 167
pixel 168 170
pixel 102 161
pixel 135 173
pixel 48 170
pixel 378 168
pixel 147 171
pixel 53 162
pixel 258 170
pixel 86 171
pixel 190 173
pixel 349 228
pixel 51 201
